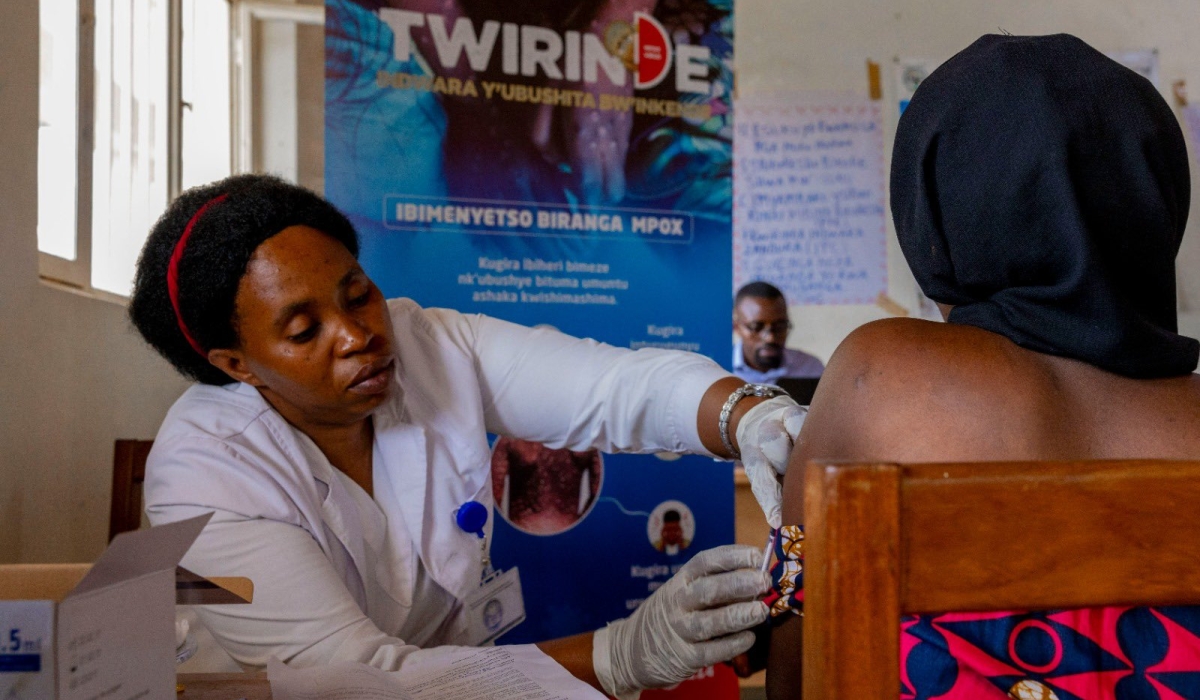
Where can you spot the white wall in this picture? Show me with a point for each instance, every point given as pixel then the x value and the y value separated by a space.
pixel 793 45
pixel 74 376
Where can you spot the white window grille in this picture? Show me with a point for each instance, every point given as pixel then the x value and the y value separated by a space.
pixel 134 105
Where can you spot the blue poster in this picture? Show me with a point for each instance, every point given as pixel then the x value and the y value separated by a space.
pixel 565 163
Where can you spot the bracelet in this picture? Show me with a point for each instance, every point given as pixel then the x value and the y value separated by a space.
pixel 727 410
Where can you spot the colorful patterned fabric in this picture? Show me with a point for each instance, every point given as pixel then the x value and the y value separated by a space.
pixel 1087 654
pixel 787 576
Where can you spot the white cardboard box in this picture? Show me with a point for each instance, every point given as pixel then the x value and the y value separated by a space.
pixel 95 632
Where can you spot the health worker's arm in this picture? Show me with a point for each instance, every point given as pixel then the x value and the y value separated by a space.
pixel 302 612
pixel 574 653
pixel 700 617
pixel 542 385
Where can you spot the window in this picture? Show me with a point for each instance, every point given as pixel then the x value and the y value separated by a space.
pixel 129 154
pixel 205 82
pixel 141 99
pixel 57 127
pixel 134 105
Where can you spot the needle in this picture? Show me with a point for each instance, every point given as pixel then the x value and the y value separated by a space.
pixel 767 552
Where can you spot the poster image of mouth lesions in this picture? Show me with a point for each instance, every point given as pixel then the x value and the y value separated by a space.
pixel 544 491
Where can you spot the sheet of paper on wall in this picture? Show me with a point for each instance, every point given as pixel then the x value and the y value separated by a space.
pixel 1191 120
pixel 517 672
pixel 910 72
pixel 1142 61
pixel 808 204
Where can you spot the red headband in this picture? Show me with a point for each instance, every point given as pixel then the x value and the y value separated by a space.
pixel 173 272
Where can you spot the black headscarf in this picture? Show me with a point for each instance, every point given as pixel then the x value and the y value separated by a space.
pixel 1042 189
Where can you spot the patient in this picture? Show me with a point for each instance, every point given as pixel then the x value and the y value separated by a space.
pixel 1040 192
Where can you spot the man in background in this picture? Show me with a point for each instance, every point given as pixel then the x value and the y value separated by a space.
pixel 761 324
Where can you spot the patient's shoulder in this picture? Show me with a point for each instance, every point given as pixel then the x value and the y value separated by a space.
pixel 903 354
pixel 906 388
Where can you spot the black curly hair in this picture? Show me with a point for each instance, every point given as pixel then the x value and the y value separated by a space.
pixel 758 290
pixel 254 208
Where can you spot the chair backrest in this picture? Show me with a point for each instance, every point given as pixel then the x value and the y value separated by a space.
pixel 884 540
pixel 129 471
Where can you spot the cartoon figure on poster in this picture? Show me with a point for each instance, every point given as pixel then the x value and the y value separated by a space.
pixel 671 527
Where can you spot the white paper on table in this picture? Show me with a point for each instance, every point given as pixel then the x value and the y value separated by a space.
pixel 518 672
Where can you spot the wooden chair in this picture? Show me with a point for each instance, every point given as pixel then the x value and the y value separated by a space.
pixel 887 539
pixel 129 471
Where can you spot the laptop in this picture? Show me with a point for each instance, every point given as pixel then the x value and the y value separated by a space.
pixel 799 388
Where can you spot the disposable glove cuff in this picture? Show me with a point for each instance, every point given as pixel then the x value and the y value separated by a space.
pixel 784 412
pixel 603 666
pixel 766 435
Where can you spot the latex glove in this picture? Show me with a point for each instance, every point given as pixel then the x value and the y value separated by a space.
pixel 765 436
pixel 701 616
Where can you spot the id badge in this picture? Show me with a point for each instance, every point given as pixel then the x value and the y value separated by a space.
pixel 495 608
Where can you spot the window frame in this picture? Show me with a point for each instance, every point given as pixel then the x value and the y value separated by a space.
pixel 76 275
pixel 244 14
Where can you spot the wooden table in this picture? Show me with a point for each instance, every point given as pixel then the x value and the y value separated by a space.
pixel 224 686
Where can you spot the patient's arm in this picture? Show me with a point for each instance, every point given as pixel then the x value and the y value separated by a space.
pixel 817 437
pixel 852 413
pixel 783 657
pixel 902 390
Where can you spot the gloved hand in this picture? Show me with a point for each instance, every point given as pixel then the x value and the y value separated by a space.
pixel 765 436
pixel 701 616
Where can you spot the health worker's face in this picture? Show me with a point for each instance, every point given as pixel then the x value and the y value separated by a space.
pixel 315 337
pixel 762 325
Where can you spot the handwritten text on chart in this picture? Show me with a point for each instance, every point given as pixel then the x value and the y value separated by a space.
pixel 808 210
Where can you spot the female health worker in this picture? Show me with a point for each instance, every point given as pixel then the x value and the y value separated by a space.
pixel 334 434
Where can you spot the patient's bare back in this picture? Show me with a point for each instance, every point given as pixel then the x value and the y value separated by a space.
pixel 906 390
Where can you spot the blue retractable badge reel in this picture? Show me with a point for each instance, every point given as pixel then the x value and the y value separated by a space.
pixel 497 605
pixel 471 517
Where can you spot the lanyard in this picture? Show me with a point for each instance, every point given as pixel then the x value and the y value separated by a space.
pixel 471 517
pixel 497 605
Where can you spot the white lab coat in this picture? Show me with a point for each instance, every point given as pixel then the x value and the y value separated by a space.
pixel 340 576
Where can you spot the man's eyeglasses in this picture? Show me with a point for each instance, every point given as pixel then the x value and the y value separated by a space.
pixel 773 328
